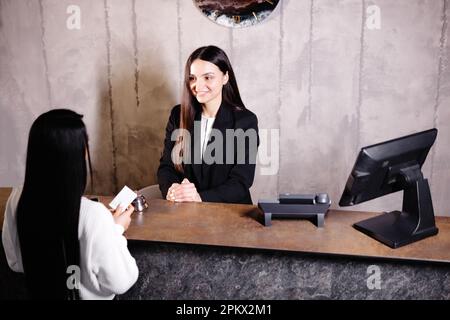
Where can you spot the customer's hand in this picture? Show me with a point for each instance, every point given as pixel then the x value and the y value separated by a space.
pixel 186 192
pixel 123 218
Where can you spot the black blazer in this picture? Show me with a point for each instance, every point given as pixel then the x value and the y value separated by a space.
pixel 216 182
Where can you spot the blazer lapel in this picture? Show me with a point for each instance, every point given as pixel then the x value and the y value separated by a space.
pixel 195 142
pixel 223 121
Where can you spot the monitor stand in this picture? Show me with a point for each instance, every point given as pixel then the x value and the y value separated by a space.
pixel 413 223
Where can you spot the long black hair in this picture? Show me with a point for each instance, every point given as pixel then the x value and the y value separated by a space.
pixel 48 209
pixel 189 104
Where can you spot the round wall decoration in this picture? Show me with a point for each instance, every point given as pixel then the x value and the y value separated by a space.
pixel 237 13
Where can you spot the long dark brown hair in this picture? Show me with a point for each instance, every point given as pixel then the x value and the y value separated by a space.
pixel 189 104
pixel 49 206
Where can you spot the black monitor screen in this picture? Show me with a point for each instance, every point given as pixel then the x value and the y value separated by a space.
pixel 377 168
pixel 389 167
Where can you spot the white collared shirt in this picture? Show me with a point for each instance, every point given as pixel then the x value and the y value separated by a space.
pixel 205 133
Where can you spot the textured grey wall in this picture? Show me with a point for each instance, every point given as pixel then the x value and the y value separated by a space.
pixel 313 70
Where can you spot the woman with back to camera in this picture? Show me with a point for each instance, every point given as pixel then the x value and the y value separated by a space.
pixel 197 165
pixel 50 230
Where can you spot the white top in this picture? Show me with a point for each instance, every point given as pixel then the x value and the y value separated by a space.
pixel 205 133
pixel 107 267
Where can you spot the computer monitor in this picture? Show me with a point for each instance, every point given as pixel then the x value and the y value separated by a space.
pixel 388 167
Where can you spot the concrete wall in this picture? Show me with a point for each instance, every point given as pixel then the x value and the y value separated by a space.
pixel 315 70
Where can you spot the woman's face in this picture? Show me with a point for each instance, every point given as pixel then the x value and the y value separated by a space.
pixel 206 81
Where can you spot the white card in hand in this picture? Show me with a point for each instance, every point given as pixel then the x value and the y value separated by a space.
pixel 124 198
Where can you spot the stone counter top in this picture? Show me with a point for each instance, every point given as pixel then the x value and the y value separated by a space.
pixel 240 226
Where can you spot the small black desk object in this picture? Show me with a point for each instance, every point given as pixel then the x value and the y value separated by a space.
pixel 296 206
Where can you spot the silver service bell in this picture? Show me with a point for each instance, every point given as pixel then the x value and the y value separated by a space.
pixel 140 204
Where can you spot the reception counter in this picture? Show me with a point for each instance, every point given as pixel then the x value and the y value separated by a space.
pixel 223 251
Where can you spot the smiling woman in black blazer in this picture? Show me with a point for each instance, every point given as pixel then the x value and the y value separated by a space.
pixel 211 138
